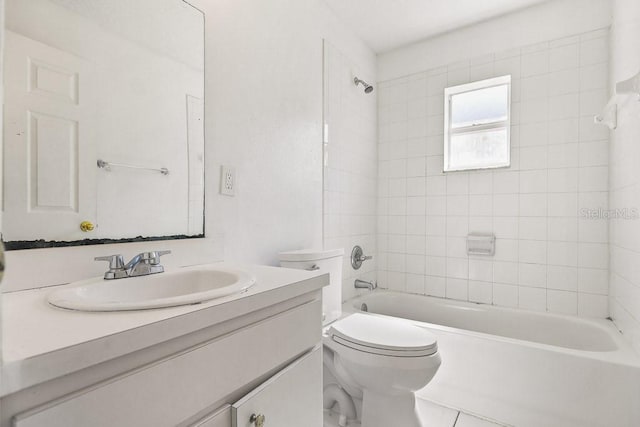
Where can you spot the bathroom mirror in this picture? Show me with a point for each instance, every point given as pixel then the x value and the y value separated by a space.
pixel 103 121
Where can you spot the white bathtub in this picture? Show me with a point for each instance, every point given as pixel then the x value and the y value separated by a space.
pixel 523 368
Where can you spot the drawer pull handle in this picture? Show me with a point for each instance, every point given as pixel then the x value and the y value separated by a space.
pixel 314 267
pixel 257 420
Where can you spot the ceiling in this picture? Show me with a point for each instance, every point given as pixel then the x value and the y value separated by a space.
pixel 387 24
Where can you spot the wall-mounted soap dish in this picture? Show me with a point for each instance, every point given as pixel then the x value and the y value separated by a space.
pixel 481 244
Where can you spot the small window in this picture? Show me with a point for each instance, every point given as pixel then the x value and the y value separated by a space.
pixel 477 125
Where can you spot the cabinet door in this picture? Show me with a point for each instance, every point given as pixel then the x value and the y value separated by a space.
pixel 291 398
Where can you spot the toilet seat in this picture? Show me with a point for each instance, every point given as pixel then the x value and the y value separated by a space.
pixel 384 336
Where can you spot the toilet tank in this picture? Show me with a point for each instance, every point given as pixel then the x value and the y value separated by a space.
pixel 325 261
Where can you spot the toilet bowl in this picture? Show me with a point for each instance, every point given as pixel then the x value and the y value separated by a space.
pixel 387 360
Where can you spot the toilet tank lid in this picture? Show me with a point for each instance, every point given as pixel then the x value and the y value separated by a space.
pixel 310 254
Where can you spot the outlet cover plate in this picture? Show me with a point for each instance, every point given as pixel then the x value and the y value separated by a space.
pixel 227 181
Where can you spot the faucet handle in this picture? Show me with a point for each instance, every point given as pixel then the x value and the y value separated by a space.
pixel 116 262
pixel 358 257
pixel 116 266
pixel 153 257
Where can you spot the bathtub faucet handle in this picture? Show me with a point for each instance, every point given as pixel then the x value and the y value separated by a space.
pixel 358 257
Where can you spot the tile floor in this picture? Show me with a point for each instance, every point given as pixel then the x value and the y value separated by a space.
pixel 434 415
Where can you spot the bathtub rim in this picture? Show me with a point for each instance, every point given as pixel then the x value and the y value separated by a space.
pixel 623 354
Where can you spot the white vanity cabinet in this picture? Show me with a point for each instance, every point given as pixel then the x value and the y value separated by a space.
pixel 270 367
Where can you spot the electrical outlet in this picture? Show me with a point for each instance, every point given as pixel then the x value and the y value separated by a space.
pixel 228 181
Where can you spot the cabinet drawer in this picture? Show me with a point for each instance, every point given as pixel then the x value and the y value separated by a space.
pixel 173 390
pixel 221 418
pixel 291 398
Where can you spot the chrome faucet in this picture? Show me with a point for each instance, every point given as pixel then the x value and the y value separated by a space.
pixel 361 284
pixel 143 264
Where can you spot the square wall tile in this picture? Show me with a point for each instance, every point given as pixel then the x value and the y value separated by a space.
pixel 560 156
pixel 435 286
pixel 480 205
pixel 532 275
pixel 532 298
pixel 533 251
pixel 505 227
pixel 481 183
pixel 457 289
pixel 415 284
pixel 562 278
pixel 396 281
pixel 533 204
pixel 506 182
pixel 481 292
pixel 506 205
pixel 593 281
pixel 457 268
pixel 593 305
pixel 505 295
pixel 534 64
pixel 481 270
pixel 593 255
pixel 533 181
pixel 562 302
pixel 505 272
pixel 594 51
pixel 532 228
pixel 436 266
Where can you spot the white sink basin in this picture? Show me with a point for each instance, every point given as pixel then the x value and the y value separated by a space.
pixel 180 287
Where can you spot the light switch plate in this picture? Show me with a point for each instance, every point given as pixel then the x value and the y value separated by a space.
pixel 227 181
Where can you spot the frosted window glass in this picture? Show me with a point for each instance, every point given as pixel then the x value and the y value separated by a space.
pixel 479 149
pixel 480 107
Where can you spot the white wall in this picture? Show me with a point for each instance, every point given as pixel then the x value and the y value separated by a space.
pixel 625 175
pixel 546 21
pixel 547 257
pixel 350 164
pixel 264 117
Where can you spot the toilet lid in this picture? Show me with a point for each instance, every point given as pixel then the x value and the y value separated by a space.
pixel 387 336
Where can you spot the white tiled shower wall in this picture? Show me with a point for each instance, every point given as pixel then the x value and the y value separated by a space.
pixel 625 176
pixel 547 257
pixel 350 164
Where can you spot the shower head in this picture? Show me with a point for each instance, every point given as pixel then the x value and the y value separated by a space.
pixel 367 87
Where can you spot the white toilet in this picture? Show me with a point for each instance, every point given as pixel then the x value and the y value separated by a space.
pixel 377 360
pixel 388 359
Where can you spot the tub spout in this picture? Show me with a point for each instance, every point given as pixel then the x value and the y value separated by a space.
pixel 333 394
pixel 361 284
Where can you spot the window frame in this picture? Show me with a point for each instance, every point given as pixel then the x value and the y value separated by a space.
pixel 451 91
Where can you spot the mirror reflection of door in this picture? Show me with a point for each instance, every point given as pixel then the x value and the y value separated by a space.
pixel 95 82
pixel 48 146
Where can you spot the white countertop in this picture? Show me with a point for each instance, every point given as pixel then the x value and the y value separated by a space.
pixel 42 342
